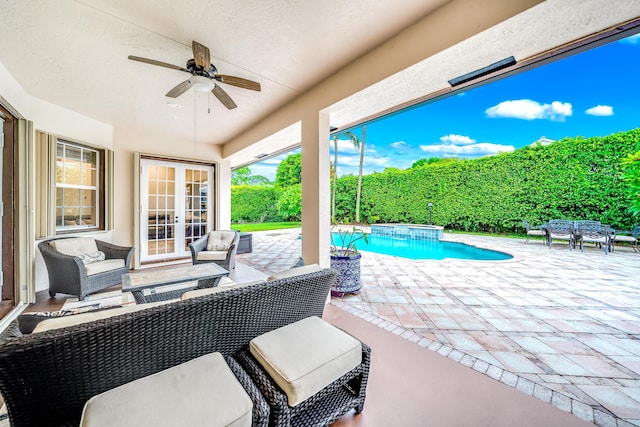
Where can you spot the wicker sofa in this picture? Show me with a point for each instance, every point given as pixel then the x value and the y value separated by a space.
pixel 46 377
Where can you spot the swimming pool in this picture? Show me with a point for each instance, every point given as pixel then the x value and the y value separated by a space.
pixel 426 249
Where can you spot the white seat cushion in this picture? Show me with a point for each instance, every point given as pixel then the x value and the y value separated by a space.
pixel 306 356
pixel 212 255
pixel 630 239
pixel 102 266
pixel 200 392
pixel 602 239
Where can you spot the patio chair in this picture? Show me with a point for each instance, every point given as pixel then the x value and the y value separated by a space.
pixel 626 236
pixel 219 246
pixel 81 266
pixel 561 229
pixel 533 231
pixel 594 232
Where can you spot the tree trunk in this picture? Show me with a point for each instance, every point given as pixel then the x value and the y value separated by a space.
pixel 359 192
pixel 335 176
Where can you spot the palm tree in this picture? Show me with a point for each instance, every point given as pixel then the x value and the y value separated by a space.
pixel 359 192
pixel 356 144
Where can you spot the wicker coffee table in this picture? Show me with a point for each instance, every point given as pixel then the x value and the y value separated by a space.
pixel 206 275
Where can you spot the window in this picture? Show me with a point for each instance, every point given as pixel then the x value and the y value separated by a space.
pixel 78 183
pixel 74 186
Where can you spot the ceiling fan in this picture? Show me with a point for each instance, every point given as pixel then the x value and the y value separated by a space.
pixel 203 73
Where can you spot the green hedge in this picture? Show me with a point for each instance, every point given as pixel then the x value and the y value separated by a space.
pixel 575 178
pixel 253 203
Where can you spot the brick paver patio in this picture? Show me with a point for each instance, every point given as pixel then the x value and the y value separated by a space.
pixel 563 326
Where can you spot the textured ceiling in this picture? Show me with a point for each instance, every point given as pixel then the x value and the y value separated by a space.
pixel 74 53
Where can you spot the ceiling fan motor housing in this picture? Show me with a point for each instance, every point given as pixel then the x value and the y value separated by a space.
pixel 201 71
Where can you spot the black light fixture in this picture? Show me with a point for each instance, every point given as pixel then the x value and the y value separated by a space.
pixel 504 63
pixel 261 156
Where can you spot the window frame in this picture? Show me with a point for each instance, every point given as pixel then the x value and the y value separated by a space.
pixel 99 188
pixel 46 146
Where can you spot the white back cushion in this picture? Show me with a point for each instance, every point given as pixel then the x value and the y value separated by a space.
pixel 305 269
pixel 76 246
pixel 220 240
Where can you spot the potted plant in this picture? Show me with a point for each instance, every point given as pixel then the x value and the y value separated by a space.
pixel 345 258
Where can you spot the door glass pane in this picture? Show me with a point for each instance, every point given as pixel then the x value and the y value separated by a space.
pixel 161 210
pixel 195 212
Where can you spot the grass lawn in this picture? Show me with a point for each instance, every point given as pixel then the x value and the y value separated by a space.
pixel 263 226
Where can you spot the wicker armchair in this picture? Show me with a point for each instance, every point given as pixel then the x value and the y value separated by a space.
pixel 206 248
pixel 68 274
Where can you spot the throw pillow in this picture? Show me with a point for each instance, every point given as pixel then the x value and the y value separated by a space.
pixel 12 331
pixel 93 257
pixel 218 247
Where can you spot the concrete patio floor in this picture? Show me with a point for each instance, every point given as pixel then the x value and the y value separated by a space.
pixel 560 325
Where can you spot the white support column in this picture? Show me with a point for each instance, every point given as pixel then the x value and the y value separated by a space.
pixel 223 203
pixel 315 188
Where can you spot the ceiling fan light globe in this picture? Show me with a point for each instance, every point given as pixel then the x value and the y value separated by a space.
pixel 202 84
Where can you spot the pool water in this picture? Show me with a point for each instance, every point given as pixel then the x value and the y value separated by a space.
pixel 425 248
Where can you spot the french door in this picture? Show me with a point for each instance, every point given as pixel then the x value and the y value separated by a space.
pixel 176 207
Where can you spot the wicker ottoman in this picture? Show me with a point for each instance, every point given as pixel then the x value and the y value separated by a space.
pixel 204 391
pixel 311 373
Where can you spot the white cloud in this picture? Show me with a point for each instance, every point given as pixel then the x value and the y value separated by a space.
pixel 600 110
pixel 634 39
pixel 355 161
pixel 345 146
pixel 457 139
pixel 399 144
pixel 461 147
pixel 528 109
pixel 268 171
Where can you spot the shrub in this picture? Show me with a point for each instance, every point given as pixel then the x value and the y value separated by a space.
pixel 253 203
pixel 290 203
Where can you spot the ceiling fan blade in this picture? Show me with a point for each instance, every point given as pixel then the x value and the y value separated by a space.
pixel 160 63
pixel 239 82
pixel 223 97
pixel 201 54
pixel 180 89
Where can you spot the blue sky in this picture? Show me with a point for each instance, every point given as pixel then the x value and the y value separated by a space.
pixel 594 93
